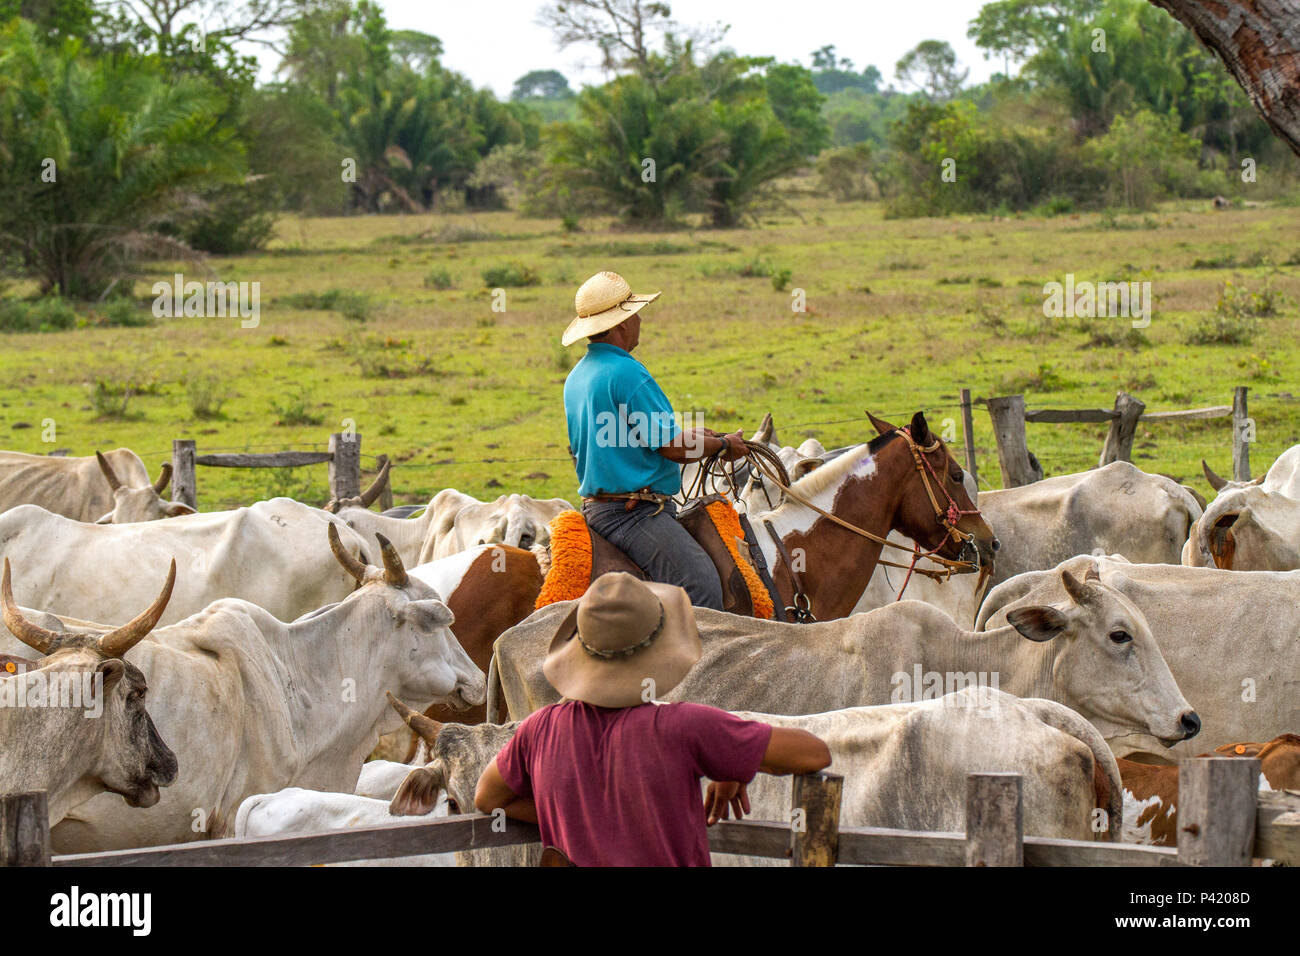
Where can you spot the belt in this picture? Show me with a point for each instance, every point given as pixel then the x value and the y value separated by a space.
pixel 633 498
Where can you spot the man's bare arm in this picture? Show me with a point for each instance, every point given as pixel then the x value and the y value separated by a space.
pixel 794 751
pixel 694 444
pixel 493 794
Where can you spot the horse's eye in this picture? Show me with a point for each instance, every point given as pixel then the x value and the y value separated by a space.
pixel 1120 636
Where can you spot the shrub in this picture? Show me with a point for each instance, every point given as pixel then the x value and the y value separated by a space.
pixel 438 279
pixel 124 313
pixel 296 410
pixel 510 275
pixel 110 399
pixel 48 314
pixel 846 173
pixel 205 398
pixel 781 279
pixel 351 305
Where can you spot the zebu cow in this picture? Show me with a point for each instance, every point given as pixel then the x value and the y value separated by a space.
pixel 273 554
pixel 56 748
pixel 1092 652
pixel 1230 638
pixel 253 704
pixel 452 522
pixel 1151 790
pixel 904 765
pixel 1247 528
pixel 108 487
pixel 1282 477
pixel 1117 508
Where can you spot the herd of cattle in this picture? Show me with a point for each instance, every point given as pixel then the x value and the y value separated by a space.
pixel 285 668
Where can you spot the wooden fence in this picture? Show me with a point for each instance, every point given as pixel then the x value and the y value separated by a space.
pixel 343 457
pixel 1222 819
pixel 1020 467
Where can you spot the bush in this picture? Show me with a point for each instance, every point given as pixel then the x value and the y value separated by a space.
pixel 204 397
pixel 846 173
pixel 48 314
pixel 511 275
pixel 1236 316
pixel 110 399
pixel 125 314
pixel 296 410
pixel 351 305
pixel 781 279
pixel 438 279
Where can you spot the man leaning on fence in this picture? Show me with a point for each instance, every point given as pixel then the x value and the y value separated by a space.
pixel 613 780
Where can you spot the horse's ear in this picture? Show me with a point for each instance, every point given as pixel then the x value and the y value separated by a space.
pixel 920 429
pixel 881 426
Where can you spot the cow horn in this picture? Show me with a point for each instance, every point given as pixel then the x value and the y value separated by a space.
pixel 371 494
pixel 764 433
pixel 426 727
pixel 108 471
pixel 164 478
pixel 33 635
pixel 1215 481
pixel 350 564
pixel 394 572
pixel 120 640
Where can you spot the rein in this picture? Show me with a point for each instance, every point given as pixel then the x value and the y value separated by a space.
pixel 763 460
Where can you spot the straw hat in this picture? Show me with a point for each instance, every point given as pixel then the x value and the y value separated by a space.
pixel 602 302
pixel 620 633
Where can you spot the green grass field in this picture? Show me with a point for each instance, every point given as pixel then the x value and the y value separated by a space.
pixel 901 314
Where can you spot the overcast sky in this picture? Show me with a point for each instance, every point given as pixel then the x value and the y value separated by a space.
pixel 494 42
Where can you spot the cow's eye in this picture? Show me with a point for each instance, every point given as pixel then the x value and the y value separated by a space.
pixel 1120 636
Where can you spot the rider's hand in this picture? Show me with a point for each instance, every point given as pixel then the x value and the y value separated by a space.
pixel 722 799
pixel 735 446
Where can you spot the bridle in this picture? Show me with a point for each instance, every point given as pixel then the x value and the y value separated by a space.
pixel 761 459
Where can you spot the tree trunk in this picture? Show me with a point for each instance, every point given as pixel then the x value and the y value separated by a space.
pixel 1259 42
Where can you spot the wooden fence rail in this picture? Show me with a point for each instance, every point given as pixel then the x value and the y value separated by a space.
pixel 1223 821
pixel 343 458
pixel 1019 466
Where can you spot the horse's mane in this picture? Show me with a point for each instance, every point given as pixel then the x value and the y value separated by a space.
pixel 832 473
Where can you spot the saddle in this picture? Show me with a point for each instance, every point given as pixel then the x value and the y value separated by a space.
pixel 580 555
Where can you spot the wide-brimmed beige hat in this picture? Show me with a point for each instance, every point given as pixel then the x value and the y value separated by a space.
pixel 602 302
pixel 626 642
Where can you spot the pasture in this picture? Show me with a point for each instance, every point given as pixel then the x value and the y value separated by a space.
pixel 900 315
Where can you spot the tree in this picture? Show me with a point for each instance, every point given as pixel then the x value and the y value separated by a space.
pixel 100 153
pixel 624 31
pixel 541 84
pixel 931 66
pixel 1259 42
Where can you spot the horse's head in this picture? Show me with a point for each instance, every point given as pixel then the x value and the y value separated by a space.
pixel 934 495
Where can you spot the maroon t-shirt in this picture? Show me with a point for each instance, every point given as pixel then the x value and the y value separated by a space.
pixel 621 787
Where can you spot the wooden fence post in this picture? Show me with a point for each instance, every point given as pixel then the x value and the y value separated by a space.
pixel 1217 799
pixel 385 496
pixel 345 466
pixel 184 480
pixel 1119 440
pixel 1240 426
pixel 968 433
pixel 815 839
pixel 1008 414
pixel 995 829
pixel 24 829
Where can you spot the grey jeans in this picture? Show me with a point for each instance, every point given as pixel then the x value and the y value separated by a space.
pixel 661 547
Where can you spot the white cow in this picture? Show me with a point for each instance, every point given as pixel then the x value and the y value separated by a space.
pixel 273 553
pixel 1247 528
pixel 1115 509
pixel 452 522
pixel 1065 651
pixel 73 722
pixel 1230 638
pixel 252 704
pixel 110 487
pixel 295 810
pixel 1283 476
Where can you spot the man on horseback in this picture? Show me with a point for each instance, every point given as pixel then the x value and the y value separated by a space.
pixel 628 445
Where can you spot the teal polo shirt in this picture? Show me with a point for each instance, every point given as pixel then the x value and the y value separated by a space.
pixel 618 418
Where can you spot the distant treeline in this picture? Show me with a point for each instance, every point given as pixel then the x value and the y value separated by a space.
pixel 126 138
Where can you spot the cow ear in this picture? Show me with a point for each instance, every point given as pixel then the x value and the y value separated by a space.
pixel 174 509
pixel 113 670
pixel 1038 622
pixel 881 426
pixel 417 795
pixel 805 466
pixel 428 613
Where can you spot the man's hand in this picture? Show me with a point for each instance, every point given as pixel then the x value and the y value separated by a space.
pixel 735 446
pixel 720 799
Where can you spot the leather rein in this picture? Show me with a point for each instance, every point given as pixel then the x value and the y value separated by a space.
pixel 801 609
